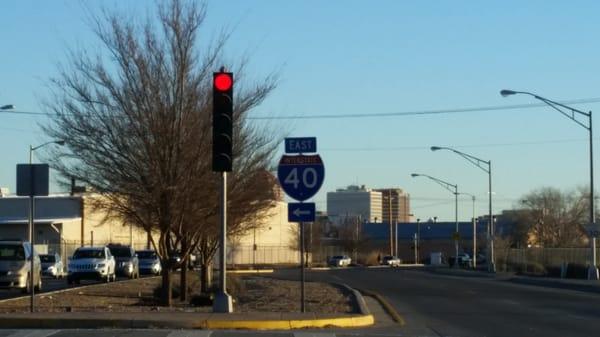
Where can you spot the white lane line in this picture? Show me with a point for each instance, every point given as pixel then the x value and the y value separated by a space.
pixel 33 333
pixel 190 333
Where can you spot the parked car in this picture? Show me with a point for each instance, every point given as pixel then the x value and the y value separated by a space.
pixel 149 262
pixel 91 263
pixel 52 265
pixel 340 261
pixel 15 266
pixel 464 260
pixel 127 263
pixel 391 261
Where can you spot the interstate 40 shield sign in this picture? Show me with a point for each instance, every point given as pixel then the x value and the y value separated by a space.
pixel 301 176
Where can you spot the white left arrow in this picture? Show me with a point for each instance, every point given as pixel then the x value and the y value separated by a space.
pixel 298 212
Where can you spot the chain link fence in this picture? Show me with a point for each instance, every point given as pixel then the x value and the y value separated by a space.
pixel 557 262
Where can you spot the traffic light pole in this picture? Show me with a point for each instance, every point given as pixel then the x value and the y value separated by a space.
pixel 223 302
pixel 302 271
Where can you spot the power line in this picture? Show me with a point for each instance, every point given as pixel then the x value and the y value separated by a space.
pixel 412 148
pixel 381 114
pixel 425 112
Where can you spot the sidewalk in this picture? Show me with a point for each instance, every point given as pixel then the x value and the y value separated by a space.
pixel 540 281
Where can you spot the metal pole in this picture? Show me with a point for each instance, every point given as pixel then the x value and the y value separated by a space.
pixel 490 253
pixel 593 270
pixel 474 236
pixel 254 249
pixel 302 280
pixel 31 229
pixel 223 302
pixel 416 249
pixel 396 240
pixel 390 221
pixel 418 238
pixel 456 219
pixel 223 238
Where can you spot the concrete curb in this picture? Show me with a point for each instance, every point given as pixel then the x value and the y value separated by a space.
pixel 74 322
pixel 386 306
pixel 358 298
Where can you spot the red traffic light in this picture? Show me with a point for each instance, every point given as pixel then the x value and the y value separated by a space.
pixel 223 81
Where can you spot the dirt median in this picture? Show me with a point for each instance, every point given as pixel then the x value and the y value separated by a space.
pixel 251 294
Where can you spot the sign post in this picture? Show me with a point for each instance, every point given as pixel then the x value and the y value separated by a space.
pixel 301 177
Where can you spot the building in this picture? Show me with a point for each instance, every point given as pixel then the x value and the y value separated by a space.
pixel 354 201
pixel 271 243
pixel 395 205
pixel 63 223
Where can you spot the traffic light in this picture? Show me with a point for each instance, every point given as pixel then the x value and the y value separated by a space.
pixel 222 121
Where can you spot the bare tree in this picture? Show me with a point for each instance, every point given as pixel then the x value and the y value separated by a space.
pixel 137 126
pixel 553 218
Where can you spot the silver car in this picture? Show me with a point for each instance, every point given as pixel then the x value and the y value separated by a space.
pixel 149 262
pixel 15 266
pixel 52 265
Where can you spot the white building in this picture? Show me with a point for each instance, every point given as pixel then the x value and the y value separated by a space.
pixel 354 201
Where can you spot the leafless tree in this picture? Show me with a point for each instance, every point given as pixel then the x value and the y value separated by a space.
pixel 137 126
pixel 554 218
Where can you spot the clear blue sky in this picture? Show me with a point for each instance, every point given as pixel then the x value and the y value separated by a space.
pixel 350 57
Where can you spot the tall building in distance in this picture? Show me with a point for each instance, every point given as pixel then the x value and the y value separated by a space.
pixel 354 201
pixel 398 201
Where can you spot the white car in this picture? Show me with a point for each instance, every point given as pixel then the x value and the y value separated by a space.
pixel 391 261
pixel 340 261
pixel 91 263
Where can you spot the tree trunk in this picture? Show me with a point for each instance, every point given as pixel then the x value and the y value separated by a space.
pixel 205 277
pixel 167 294
pixel 184 271
pixel 183 280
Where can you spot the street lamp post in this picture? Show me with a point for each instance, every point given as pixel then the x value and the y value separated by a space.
pixel 474 230
pixel 570 113
pixel 486 166
pixel 32 213
pixel 454 190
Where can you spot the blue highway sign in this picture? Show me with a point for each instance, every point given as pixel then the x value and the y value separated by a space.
pixel 301 212
pixel 301 176
pixel 301 145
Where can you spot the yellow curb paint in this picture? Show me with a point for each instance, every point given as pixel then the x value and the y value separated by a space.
pixel 342 322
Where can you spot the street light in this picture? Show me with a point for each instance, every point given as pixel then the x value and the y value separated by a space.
pixel 7 107
pixel 474 230
pixel 32 212
pixel 486 166
pixel 450 188
pixel 570 113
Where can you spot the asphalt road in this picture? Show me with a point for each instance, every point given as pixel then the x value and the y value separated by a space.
pixel 443 305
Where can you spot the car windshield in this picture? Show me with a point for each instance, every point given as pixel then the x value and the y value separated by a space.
pixel 47 258
pixel 146 254
pixel 12 252
pixel 338 257
pixel 121 251
pixel 88 254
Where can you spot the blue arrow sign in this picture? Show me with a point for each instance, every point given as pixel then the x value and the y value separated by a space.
pixel 301 212
pixel 301 176
pixel 301 145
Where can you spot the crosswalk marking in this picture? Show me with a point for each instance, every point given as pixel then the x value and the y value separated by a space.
pixel 33 333
pixel 190 333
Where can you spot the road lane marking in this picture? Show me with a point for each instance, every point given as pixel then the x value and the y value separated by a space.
pixel 33 333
